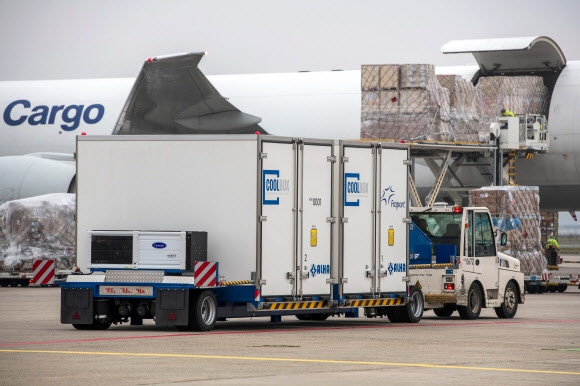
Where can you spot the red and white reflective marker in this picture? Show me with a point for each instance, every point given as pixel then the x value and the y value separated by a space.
pixel 43 272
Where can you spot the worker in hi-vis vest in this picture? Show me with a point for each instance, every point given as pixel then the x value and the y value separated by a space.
pixel 552 243
pixel 507 113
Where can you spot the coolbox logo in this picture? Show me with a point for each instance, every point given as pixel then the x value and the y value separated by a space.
pixel 20 111
pixel 273 187
pixel 354 189
pixel 388 197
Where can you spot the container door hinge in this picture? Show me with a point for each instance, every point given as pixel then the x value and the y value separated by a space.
pixel 263 155
pixel 407 162
pixel 344 160
pixel 331 281
pixel 331 159
pixel 263 218
pixel 331 220
pixel 344 220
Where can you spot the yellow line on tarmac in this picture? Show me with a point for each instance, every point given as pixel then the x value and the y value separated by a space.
pixel 299 360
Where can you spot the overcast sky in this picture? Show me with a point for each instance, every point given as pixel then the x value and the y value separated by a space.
pixel 61 39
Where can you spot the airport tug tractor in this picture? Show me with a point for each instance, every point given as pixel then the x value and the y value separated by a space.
pixel 455 262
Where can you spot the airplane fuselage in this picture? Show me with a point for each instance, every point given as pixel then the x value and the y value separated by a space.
pixel 46 116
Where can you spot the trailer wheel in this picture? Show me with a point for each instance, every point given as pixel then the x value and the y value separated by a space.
pixel 445 312
pixel 541 289
pixel 95 326
pixel 531 288
pixel 412 312
pixel 562 287
pixel 509 306
pixel 82 326
pixel 473 308
pixel 394 314
pixel 204 311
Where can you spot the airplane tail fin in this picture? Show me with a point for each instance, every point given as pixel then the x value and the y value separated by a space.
pixel 172 96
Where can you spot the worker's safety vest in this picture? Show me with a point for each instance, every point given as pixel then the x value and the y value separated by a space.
pixel 508 113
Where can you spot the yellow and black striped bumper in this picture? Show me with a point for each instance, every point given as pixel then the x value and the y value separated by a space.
pixel 442 265
pixel 374 302
pixel 296 305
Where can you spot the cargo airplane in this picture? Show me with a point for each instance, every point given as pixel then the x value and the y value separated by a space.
pixel 41 119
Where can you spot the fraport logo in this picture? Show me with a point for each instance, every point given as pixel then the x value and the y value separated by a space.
pixel 320 269
pixel 273 187
pixel 388 197
pixel 159 245
pixel 354 189
pixel 22 110
pixel 397 268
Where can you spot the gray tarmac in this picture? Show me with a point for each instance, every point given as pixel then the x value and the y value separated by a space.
pixel 540 345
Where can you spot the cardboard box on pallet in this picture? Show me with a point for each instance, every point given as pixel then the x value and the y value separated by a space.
pixel 389 76
pixel 516 211
pixel 417 109
pixel 370 77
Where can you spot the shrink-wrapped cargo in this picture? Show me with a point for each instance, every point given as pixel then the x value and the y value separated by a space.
pixel 406 102
pixel 519 94
pixel 41 227
pixel 516 211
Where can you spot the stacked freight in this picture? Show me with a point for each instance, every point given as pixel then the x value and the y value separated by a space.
pixel 403 102
pixel 463 111
pixel 516 211
pixel 40 227
pixel 408 101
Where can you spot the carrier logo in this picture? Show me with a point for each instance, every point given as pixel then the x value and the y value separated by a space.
pixel 397 268
pixel 273 187
pixel 159 245
pixel 354 189
pixel 20 111
pixel 389 199
pixel 320 269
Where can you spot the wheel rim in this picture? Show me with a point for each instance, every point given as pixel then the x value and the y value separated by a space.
pixel 473 301
pixel 416 306
pixel 208 310
pixel 510 299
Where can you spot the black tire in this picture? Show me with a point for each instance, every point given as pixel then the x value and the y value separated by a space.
pixel 204 310
pixel 303 317
pixel 394 314
pixel 541 289
pixel 101 325
pixel 509 306
pixel 532 289
pixel 412 312
pixel 445 312
pixel 82 326
pixel 319 317
pixel 94 326
pixel 562 287
pixel 24 283
pixel 474 304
